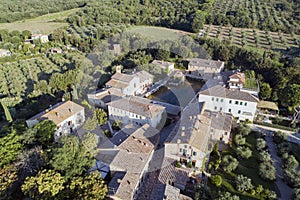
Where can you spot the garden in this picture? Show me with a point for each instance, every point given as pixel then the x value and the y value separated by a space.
pixel 244 169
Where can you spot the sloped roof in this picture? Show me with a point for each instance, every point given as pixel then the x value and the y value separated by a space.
pixel 124 184
pixel 162 191
pixel 162 64
pixel 59 112
pixel 143 75
pixel 220 120
pixel 126 78
pixel 137 105
pixel 117 84
pixel 197 62
pixel 142 140
pixel 193 128
pixel 219 91
pixel 238 75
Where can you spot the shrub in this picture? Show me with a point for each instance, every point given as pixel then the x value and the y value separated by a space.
pixel 229 163
pixel 267 171
pixel 216 180
pixel 260 144
pixel 243 183
pixel 239 139
pixel 264 156
pixel 244 152
pixel 117 125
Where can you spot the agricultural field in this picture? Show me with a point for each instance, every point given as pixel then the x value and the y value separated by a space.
pixel 265 15
pixel 253 38
pixel 43 24
pixel 157 33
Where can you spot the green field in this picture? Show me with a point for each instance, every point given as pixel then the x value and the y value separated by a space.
pixel 157 33
pixel 43 24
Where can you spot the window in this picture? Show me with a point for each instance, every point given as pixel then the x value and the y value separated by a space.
pixel 220 108
pixel 222 100
pixel 236 102
pixel 185 146
pixel 225 133
pixel 241 103
pixel 194 153
pixel 230 101
pixel 245 104
pixel 217 99
pixel 229 110
pixel 180 149
pixel 216 108
pixel 239 112
pixel 212 98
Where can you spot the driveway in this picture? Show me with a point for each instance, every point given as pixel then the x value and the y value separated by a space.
pixel 285 191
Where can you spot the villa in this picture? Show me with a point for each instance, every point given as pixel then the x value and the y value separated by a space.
pixel 67 116
pixel 242 105
pixel 130 84
pixel 203 68
pixel 136 110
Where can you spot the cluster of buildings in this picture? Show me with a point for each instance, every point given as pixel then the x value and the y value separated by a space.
pixel 128 155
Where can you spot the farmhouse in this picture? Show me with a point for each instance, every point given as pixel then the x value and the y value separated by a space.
pixel 202 68
pixel 41 37
pixel 167 67
pixel 241 105
pixel 136 110
pixel 68 117
pixel 130 84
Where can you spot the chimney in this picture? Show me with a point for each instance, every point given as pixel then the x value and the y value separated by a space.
pixel 57 114
pixel 70 110
pixel 128 182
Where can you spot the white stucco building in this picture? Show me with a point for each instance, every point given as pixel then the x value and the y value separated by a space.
pixel 167 67
pixel 41 37
pixel 204 68
pixel 130 84
pixel 136 110
pixel 67 116
pixel 4 52
pixel 241 105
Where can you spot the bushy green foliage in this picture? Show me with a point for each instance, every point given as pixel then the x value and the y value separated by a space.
pixel 239 139
pixel 260 144
pixel 244 152
pixel 216 180
pixel 267 171
pixel 46 185
pixel 11 146
pixel 72 158
pixel 229 163
pixel 243 183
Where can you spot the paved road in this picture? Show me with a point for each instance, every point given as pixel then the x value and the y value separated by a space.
pixel 291 136
pixel 285 191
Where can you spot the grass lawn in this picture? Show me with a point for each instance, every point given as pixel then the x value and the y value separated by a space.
pixel 251 83
pixel 157 33
pixel 43 24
